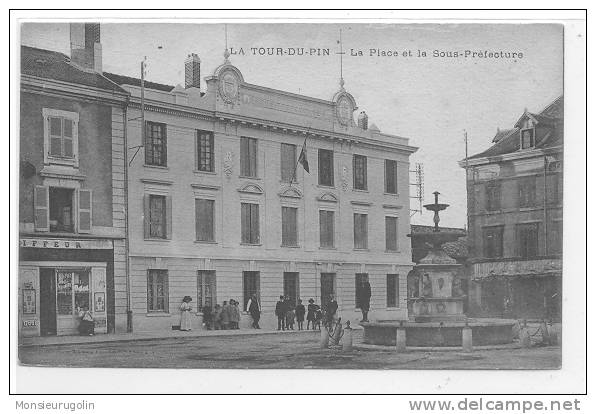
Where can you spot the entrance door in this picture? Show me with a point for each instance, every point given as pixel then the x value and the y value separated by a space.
pixel 327 288
pixel 47 302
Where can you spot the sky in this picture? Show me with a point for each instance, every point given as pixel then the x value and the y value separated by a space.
pixel 430 100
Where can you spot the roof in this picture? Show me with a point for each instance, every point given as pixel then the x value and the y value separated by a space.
pixel 507 141
pixel 57 66
pixel 128 80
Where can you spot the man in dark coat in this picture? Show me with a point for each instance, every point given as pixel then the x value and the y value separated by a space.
pixel 280 312
pixel 254 308
pixel 364 299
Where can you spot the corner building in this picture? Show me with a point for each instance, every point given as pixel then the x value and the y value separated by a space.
pixel 217 216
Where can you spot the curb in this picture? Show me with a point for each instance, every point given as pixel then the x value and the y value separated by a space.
pixel 368 347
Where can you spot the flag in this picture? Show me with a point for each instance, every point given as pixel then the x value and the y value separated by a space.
pixel 302 158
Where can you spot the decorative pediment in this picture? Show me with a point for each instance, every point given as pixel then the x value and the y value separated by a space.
pixel 328 197
pixel 290 192
pixel 251 188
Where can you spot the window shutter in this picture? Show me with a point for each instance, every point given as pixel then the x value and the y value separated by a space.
pixel 146 216
pixel 85 206
pixel 164 149
pixel 245 222
pixel 197 150
pixel 148 146
pixel 168 217
pixel 254 224
pixel 41 202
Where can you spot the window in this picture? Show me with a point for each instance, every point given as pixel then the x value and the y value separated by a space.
pixel 60 136
pixel 555 245
pixel 326 228
pixel 248 157
pixel 527 240
pixel 251 286
pixel 493 196
pixel 157 290
pixel 553 189
pixel 391 176
pixel 289 226
pixel 392 291
pixel 291 287
pixel 205 289
pixel 527 192
pixel 326 167
pixel 157 216
pixel 359 168
pixel 205 211
pixel 288 162
pixel 205 151
pixel 61 210
pixel 250 223
pixel 391 234
pixel 156 144
pixel 54 209
pixel 327 288
pixel 360 279
pixel 527 138
pixel 360 231
pixel 493 242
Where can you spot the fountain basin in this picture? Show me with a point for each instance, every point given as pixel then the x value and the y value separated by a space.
pixel 485 331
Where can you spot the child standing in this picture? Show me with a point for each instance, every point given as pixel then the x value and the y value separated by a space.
pixel 290 318
pixel 300 311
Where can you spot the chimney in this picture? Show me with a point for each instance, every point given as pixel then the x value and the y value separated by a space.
pixel 363 120
pixel 85 46
pixel 192 71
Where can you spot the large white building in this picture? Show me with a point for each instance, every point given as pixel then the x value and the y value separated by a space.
pixel 214 214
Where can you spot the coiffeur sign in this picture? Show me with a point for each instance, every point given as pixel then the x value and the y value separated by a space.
pixel 65 243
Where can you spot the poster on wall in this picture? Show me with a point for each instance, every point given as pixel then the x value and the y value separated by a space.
pixel 29 301
pixel 100 302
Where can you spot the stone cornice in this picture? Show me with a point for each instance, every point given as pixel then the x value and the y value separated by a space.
pixel 517 155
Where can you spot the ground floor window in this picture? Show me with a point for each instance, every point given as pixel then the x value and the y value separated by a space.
pixel 250 286
pixel 291 287
pixel 205 289
pixel 361 278
pixel 327 288
pixel 157 290
pixel 392 290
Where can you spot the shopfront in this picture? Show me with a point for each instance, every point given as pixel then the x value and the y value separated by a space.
pixel 61 283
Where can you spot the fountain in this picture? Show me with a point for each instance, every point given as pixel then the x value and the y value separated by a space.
pixel 436 300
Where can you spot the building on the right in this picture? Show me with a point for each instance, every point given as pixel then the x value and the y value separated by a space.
pixel 515 219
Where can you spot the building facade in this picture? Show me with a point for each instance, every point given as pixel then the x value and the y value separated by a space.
pixel 224 210
pixel 515 203
pixel 72 190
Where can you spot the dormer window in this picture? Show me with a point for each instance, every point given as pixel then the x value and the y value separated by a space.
pixel 527 138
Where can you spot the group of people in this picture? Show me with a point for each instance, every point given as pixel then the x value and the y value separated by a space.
pixel 221 317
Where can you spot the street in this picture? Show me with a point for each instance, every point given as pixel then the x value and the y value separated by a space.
pixel 274 351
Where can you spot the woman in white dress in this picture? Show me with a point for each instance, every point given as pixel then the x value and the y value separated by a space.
pixel 185 318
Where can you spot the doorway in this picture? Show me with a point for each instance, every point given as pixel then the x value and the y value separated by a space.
pixel 327 288
pixel 47 302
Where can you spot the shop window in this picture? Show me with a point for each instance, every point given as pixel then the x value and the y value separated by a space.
pixel 391 234
pixel 205 212
pixel 391 176
pixel 326 228
pixel 288 162
pixel 326 167
pixel 493 242
pixel 291 287
pixel 81 291
pixel 360 172
pixel 289 226
pixel 64 293
pixel 250 286
pixel 360 231
pixel 250 223
pixel 392 290
pixel 248 157
pixel 205 151
pixel 61 210
pixel 205 289
pixel 157 290
pixel 360 279
pixel 61 136
pixel 156 144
